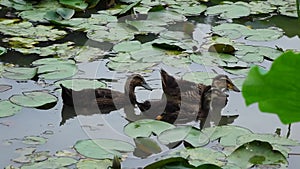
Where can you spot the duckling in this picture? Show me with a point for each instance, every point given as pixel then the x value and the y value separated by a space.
pixel 106 99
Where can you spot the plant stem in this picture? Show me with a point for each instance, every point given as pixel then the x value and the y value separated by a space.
pixel 289 131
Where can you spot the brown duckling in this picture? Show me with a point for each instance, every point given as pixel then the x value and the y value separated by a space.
pixel 106 99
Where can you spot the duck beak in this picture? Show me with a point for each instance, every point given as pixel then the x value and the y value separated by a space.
pixel 146 86
pixel 231 86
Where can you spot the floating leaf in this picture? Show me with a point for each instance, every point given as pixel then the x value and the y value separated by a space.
pixel 55 68
pixel 228 134
pixel 145 127
pixel 65 13
pixel 4 87
pixel 235 31
pixel 129 7
pixel 199 156
pixel 129 66
pixel 92 163
pixel 270 138
pixel 80 84
pixel 260 87
pixel 258 7
pixel 199 77
pixel 19 73
pixel 33 99
pixel 29 155
pixel 188 9
pixel 228 11
pixel 256 152
pixel 102 148
pixel 169 163
pixel 145 147
pixel 75 4
pixel 54 162
pixel 2 50
pixel 34 140
pixel 184 133
pixel 8 109
pixel 221 48
pixel 127 46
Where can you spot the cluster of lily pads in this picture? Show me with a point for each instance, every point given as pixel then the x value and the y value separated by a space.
pixel 231 147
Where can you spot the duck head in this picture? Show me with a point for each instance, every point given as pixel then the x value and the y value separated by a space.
pixel 223 83
pixel 137 80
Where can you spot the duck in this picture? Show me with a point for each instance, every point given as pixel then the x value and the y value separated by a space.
pixel 105 99
pixel 188 100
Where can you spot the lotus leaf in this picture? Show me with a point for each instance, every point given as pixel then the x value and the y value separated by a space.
pixel 188 9
pixel 235 31
pixel 75 4
pixel 256 152
pixel 19 73
pixel 260 87
pixel 183 133
pixel 92 163
pixel 28 30
pixel 200 77
pixel 54 162
pixel 33 99
pixel 199 156
pixel 2 50
pixel 145 127
pixel 80 84
pixel 102 148
pixel 4 87
pixel 145 147
pixel 228 11
pixel 228 134
pixel 8 109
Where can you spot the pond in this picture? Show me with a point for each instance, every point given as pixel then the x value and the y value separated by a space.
pixel 106 43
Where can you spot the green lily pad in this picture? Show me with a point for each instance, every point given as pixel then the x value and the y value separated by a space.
pixel 4 87
pixel 270 138
pixel 75 4
pixel 145 127
pixel 259 7
pixel 199 77
pixel 2 50
pixel 228 134
pixel 256 152
pixel 34 140
pixel 127 46
pixel 188 9
pixel 184 133
pixel 147 26
pixel 54 162
pixel 145 147
pixel 55 68
pixel 80 84
pixel 228 11
pixel 169 163
pixel 129 66
pixel 29 155
pixel 8 109
pixel 18 5
pixel 33 99
pixel 260 87
pixel 88 54
pixel 235 31
pixel 201 155
pixel 129 7
pixel 19 73
pixel 102 148
pixel 28 30
pixel 65 13
pixel 92 163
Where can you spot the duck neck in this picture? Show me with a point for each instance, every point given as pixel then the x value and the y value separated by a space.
pixel 129 91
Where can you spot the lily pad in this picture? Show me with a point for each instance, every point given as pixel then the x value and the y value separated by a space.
pixel 199 156
pixel 227 134
pixel 8 109
pixel 145 147
pixel 169 163
pixel 34 140
pixel 256 152
pixel 228 11
pixel 92 163
pixel 55 68
pixel 145 127
pixel 188 9
pixel 29 155
pixel 127 46
pixel 54 162
pixel 235 31
pixel 184 133
pixel 199 77
pixel 2 50
pixel 102 148
pixel 19 73
pixel 129 66
pixel 270 138
pixel 65 13
pixel 4 87
pixel 260 87
pixel 33 99
pixel 75 4
pixel 80 84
